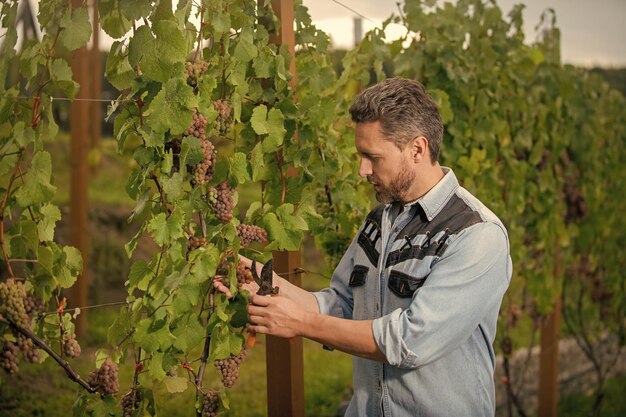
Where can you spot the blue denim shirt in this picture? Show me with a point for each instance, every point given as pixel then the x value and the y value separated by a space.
pixel 431 275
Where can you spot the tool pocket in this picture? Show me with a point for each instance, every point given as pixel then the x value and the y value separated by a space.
pixel 404 285
pixel 358 276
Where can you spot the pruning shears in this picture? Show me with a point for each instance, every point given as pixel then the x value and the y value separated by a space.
pixel 265 280
pixel 265 288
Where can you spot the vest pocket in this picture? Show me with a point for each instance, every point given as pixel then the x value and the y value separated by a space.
pixel 358 276
pixel 404 285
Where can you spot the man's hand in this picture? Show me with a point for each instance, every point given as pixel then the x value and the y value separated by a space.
pixel 252 287
pixel 277 316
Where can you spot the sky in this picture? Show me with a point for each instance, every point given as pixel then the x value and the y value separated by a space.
pixel 593 33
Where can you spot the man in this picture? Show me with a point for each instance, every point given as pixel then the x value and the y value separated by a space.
pixel 415 298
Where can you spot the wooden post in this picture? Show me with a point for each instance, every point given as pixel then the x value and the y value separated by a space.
pixel 549 356
pixel 79 146
pixel 284 358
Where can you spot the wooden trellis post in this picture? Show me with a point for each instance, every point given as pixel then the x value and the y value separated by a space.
pixel 284 358
pixel 549 356
pixel 79 175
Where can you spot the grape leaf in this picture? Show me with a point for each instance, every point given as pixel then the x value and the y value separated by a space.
pixel 276 131
pixel 76 28
pixel 112 20
pixel 140 275
pixel 37 188
pixel 239 167
pixel 188 331
pixel 61 74
pixel 45 228
pixel 153 335
pixel 171 108
pixel 258 120
pixel 165 229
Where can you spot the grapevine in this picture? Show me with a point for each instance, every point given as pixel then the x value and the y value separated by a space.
pixel 105 379
pixel 203 171
pixel 224 115
pixel 71 347
pixel 222 202
pixel 229 367
pixel 251 233
pixel 131 401
pixel 244 274
pixel 210 404
pixel 12 295
pixel 194 70
pixel 9 359
pixel 235 95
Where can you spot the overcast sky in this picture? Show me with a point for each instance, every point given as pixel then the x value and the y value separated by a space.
pixel 592 32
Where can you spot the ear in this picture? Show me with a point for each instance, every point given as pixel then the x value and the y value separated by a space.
pixel 419 149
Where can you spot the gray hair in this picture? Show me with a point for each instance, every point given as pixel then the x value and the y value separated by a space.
pixel 404 109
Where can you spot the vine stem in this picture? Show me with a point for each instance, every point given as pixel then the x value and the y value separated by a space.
pixel 279 162
pixel 71 373
pixel 205 356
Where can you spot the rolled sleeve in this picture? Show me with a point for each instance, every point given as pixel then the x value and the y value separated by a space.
pixel 463 288
pixel 388 336
pixel 333 304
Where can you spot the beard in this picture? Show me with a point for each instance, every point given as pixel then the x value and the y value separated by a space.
pixel 397 188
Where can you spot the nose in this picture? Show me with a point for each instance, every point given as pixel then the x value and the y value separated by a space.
pixel 365 167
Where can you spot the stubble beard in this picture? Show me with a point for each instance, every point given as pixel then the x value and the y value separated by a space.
pixel 398 188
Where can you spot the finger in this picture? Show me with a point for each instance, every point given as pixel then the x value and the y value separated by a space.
pixel 219 286
pixel 257 320
pixel 258 329
pixel 260 300
pixel 255 311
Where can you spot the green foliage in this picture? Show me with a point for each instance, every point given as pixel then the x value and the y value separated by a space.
pixel 540 143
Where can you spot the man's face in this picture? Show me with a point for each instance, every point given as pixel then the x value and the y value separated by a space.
pixel 385 166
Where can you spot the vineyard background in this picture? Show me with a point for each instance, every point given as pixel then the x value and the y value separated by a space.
pixel 541 142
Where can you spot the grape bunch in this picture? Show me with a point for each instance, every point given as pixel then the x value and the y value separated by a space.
pixel 131 401
pixel 197 127
pixel 12 295
pixel 71 347
pixel 33 304
pixel 9 355
pixel 244 274
pixel 224 113
pixel 249 233
pixel 105 378
pixel 203 171
pixel 211 404
pixel 193 71
pixel 28 348
pixel 221 198
pixel 9 361
pixel 229 367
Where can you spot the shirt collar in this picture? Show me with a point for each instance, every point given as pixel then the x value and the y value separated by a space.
pixel 434 200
